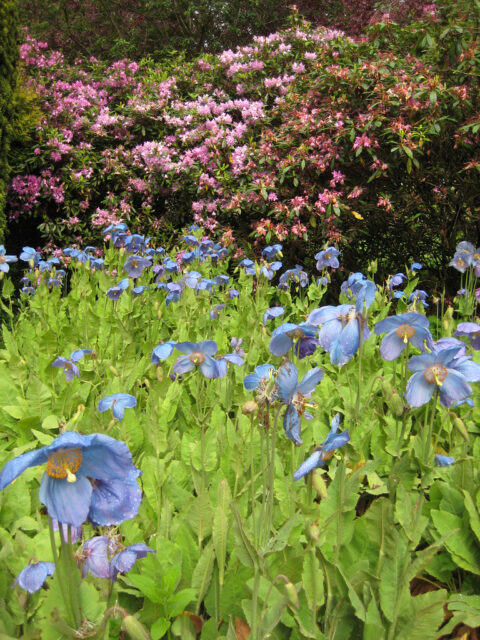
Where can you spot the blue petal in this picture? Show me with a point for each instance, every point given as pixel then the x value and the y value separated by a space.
pixel 454 387
pixel 114 501
pixel 280 344
pixel 292 425
pixel 67 502
pixel 444 461
pixel 105 404
pixel 311 463
pixel 15 467
pixel 392 346
pixel 34 575
pixel 419 391
pixel 183 364
pixel 210 369
pixel 310 381
pixel 163 351
pixel 208 347
pixel 107 459
pixel 95 551
pixel 287 381
pixel 335 441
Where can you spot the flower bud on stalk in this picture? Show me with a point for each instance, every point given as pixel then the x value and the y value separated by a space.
pixel 319 484
pixel 459 425
pixel 292 595
pixel 134 628
pixel 249 407
pixel 314 532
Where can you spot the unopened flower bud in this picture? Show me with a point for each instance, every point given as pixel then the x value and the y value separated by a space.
pixel 249 407
pixel 159 373
pixel 292 594
pixel 459 425
pixel 314 532
pixel 387 389
pixel 319 484
pixel 397 404
pixel 134 628
pixel 447 320
pixel 113 370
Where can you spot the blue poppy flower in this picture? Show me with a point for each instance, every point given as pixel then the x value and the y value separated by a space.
pixel 76 466
pixel 403 329
pixel 94 557
pixel 271 251
pixel 248 266
pixel 33 577
pixel 191 240
pixel 416 266
pixel 192 278
pixel 4 260
pixel 440 370
pixel 472 331
pixel 327 258
pixel 443 461
pixel 234 358
pixel 69 366
pixel 198 354
pixel 28 290
pixel 233 293
pixel 325 450
pixel 115 228
pixel 124 561
pixel 115 292
pixel 340 331
pixel 140 290
pixel 30 255
pixel 297 275
pixel 268 269
pixel 263 372
pixel 135 243
pixel 135 265
pixel 396 280
pixel 293 394
pixel 215 310
pixel 273 312
pixel 419 295
pixel 283 339
pixel 118 402
pixel 236 344
pixel 163 351
pixel 221 280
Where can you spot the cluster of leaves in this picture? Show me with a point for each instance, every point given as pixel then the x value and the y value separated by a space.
pixel 376 544
pixel 304 135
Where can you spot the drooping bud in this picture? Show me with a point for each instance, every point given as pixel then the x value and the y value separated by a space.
pixel 314 532
pixel 459 425
pixel 396 404
pixel 319 484
pixel 113 370
pixel 292 594
pixel 447 320
pixel 387 389
pixel 134 628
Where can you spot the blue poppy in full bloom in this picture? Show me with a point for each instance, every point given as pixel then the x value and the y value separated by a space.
pixel 248 266
pixel 115 292
pixel 419 295
pixel 135 265
pixel 269 268
pixel 442 370
pixel 273 312
pixel 86 477
pixel 263 372
pixel 284 336
pixel 30 255
pixel 4 260
pixel 465 256
pixel 402 329
pixel 198 354
pixel 324 451
pixel 118 402
pixel 94 557
pixel 293 394
pixel 297 275
pixel 327 258
pixel 33 577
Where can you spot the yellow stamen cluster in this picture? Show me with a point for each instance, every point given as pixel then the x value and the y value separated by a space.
pixel 197 357
pixel 64 463
pixel 405 332
pixel 435 374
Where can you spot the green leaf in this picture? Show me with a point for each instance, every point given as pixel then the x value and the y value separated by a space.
pixel 461 545
pixel 220 527
pixel 203 571
pixel 159 628
pixel 148 587
pixel 312 580
pixel 178 601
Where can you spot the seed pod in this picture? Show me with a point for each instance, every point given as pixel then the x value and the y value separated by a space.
pixel 249 407
pixel 134 628
pixel 319 484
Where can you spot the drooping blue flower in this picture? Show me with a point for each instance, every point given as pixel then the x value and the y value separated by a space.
pixel 271 251
pixel 70 366
pixel 30 255
pixel 248 266
pixel 221 280
pixel 293 394
pixel 222 361
pixel 401 330
pixel 192 278
pixel 115 292
pixel 472 331
pixel 4 260
pixel 440 370
pixel 135 243
pixel 170 265
pixel 198 354
pixel 191 240
pixel 135 265
pixel 284 336
pixel 268 269
pixel 33 577
pixel 340 331
pixel 118 402
pixel 233 293
pixel 327 258
pixel 140 290
pixel 396 280
pixel 124 561
pixel 262 372
pixel 94 557
pixel 215 310
pixel 464 257
pixel 76 465
pixel 273 312
pixel 163 351
pixel 297 275
pixel 416 266
pixel 175 291
pixel 419 295
pixel 28 290
pixel 120 227
pixel 324 451
pixel 443 461
pixel 237 346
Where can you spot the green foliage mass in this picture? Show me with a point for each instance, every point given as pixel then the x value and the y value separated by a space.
pixel 8 62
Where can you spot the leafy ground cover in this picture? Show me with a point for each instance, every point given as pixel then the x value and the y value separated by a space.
pixel 230 456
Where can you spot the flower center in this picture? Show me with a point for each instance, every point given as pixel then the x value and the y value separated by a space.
pixel 405 331
pixel 197 357
pixel 295 333
pixel 64 463
pixel 435 374
pixel 2 259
